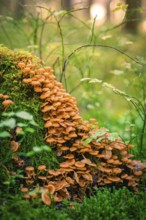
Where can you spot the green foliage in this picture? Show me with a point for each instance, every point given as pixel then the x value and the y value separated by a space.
pixel 98 136
pixel 105 204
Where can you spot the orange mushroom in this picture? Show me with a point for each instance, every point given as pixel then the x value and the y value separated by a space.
pixel 7 103
pixel 24 190
pixel 14 146
pixel 46 198
pixel 42 167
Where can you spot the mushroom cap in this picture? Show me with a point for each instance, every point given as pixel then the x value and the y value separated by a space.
pixel 37 89
pixel 67 163
pixel 46 198
pixel 88 161
pixel 54 172
pixel 137 173
pixel 26 196
pixel 50 140
pixel 21 64
pixel 79 164
pixel 107 154
pixel 24 189
pixel 14 146
pixel 88 176
pixel 117 170
pixel 114 178
pixel 43 178
pixel 5 96
pixel 7 102
pixel 57 197
pixel 69 156
pixel 28 80
pixel 50 188
pixel 69 180
pixel 35 83
pixel 45 95
pixel 33 195
pixel 29 168
pixel 42 167
pixel 60 184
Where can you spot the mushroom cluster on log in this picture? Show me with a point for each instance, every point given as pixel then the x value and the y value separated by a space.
pixel 97 162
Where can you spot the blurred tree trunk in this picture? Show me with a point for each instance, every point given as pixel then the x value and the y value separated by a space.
pixel 66 4
pixel 5 7
pixel 90 2
pixel 133 15
pixel 108 12
pixel 19 10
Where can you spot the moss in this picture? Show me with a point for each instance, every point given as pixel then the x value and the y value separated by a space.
pixel 25 99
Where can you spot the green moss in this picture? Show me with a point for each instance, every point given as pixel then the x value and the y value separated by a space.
pixel 25 99
pixel 104 205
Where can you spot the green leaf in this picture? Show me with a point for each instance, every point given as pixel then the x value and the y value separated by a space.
pixel 113 136
pixel 100 133
pixel 94 136
pixel 88 140
pixel 38 150
pixel 8 114
pixel 21 125
pixel 4 134
pixel 10 123
pixel 30 130
pixel 32 122
pixel 99 139
pixel 24 115
pixel 46 148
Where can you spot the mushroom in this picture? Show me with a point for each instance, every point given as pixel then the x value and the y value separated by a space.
pixel 114 178
pixel 37 89
pixel 88 161
pixel 50 188
pixel 21 65
pixel 45 95
pixel 30 171
pixel 88 176
pixel 79 164
pixel 54 172
pixel 46 198
pixel 35 83
pixel 57 198
pixel 117 170
pixel 107 154
pixel 5 96
pixel 42 167
pixel 69 156
pixel 24 190
pixel 14 146
pixel 7 103
pixel 67 163
pixel 29 80
pixel 26 196
pixel 69 180
pixel 137 173
pixel 33 195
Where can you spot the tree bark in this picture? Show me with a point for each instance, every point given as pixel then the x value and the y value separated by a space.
pixel 66 4
pixel 133 15
pixel 19 11
pixel 5 7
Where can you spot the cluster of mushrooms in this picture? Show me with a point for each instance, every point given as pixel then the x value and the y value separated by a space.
pixel 86 164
